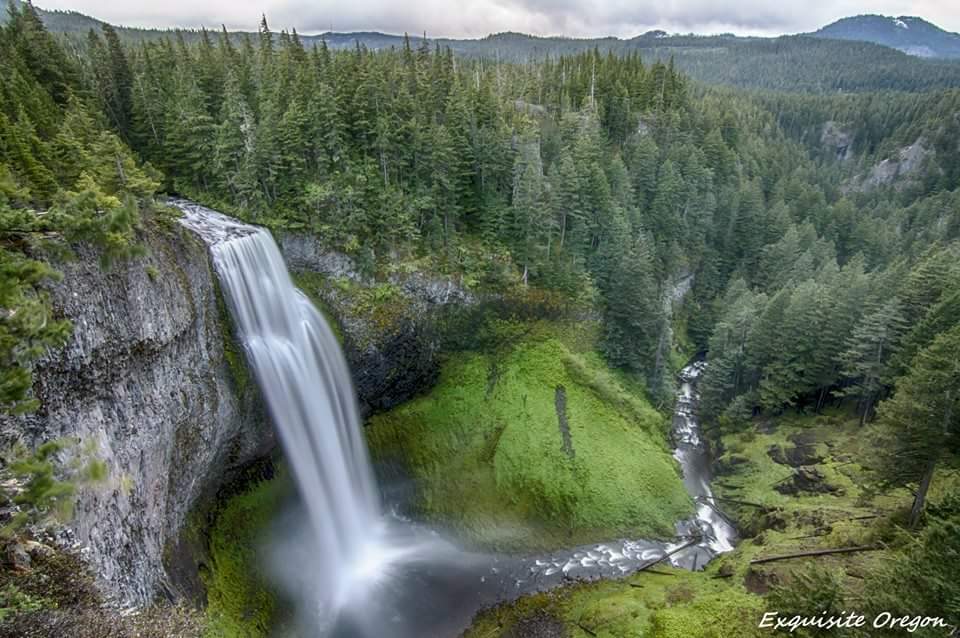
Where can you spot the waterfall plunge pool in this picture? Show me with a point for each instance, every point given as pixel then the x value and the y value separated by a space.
pixel 353 569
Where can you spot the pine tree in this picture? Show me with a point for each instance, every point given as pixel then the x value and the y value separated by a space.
pixel 633 312
pixel 865 362
pixel 233 150
pixel 924 417
pixel 119 81
pixel 528 232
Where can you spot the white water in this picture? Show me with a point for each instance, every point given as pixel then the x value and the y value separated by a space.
pixel 306 385
pixel 692 453
pixel 354 571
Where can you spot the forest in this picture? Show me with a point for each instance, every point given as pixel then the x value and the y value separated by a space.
pixel 819 232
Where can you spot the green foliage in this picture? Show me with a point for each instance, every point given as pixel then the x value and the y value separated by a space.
pixel 239 602
pixel 493 423
pixel 810 591
pixel 44 497
pixel 922 419
pixel 62 174
pixel 26 327
pixel 921 580
pixel 13 601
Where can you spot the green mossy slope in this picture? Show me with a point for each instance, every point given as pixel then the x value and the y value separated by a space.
pixel 239 602
pixel 486 449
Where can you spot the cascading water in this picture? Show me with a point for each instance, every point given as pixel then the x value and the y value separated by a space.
pixel 306 385
pixel 354 571
pixel 716 532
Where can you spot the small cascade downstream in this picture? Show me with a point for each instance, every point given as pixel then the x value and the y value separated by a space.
pixel 716 532
pixel 355 570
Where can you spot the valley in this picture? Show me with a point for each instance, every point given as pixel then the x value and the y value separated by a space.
pixel 362 335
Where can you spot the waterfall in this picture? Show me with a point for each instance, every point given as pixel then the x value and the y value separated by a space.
pixel 306 384
pixel 354 571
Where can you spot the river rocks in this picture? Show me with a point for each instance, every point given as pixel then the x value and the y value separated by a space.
pixel 145 385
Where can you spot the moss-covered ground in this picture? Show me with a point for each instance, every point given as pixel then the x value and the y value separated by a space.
pixel 728 598
pixel 486 449
pixel 240 604
pixel 668 603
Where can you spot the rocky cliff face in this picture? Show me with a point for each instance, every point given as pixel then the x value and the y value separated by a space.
pixel 151 383
pixel 901 171
pixel 145 384
pixel 391 348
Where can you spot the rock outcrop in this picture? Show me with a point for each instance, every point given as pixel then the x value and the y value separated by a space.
pixel 391 345
pixel 145 384
pixel 899 171
pixel 839 141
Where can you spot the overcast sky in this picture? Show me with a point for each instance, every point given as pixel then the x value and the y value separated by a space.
pixel 476 18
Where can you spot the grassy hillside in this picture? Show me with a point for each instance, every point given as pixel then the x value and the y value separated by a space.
pixel 487 449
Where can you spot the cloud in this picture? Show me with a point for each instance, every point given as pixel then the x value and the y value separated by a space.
pixel 476 18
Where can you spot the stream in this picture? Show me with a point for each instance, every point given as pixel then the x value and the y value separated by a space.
pixel 357 569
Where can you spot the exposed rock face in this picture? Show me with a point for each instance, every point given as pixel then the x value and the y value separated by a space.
pixel 144 381
pixel 394 358
pixel 303 252
pixel 840 142
pixel 899 170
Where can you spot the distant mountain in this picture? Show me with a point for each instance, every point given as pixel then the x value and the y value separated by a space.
pixel 821 64
pixel 911 35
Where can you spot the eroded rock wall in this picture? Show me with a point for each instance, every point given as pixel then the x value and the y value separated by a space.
pixel 145 384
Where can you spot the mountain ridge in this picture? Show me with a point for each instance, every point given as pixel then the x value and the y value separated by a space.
pixel 804 62
pixel 911 34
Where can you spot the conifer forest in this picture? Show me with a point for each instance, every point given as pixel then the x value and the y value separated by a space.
pixel 369 335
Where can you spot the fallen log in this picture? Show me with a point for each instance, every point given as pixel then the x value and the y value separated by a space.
pixel 744 503
pixel 658 572
pixel 652 562
pixel 817 552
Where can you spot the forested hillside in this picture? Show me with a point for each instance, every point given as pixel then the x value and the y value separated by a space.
pixel 63 176
pixel 820 231
pixel 814 63
pixel 909 34
pixel 593 174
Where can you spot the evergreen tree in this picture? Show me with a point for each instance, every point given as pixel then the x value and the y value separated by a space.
pixel 874 341
pixel 924 417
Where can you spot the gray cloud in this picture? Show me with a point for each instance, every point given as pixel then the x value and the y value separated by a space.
pixel 475 18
